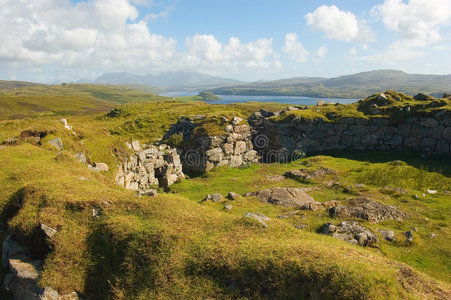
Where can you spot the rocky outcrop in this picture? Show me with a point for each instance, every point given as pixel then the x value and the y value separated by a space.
pixel 367 209
pixel 307 175
pixel 22 280
pixel 150 167
pixel 288 197
pixel 201 152
pixel 351 232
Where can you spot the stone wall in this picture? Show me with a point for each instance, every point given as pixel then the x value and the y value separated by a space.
pixel 234 148
pixel 150 167
pixel 425 134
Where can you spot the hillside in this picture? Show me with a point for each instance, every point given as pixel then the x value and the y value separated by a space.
pixel 34 99
pixel 88 235
pixel 349 86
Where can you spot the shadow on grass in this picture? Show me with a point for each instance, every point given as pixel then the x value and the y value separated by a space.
pixel 433 163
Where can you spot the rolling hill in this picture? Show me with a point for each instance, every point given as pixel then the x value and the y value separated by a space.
pixel 348 86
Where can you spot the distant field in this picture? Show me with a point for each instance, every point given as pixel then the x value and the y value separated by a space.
pixel 21 101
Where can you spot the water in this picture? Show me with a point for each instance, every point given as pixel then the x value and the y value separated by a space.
pixel 293 100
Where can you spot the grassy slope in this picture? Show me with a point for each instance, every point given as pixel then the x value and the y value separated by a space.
pixel 67 100
pixel 172 246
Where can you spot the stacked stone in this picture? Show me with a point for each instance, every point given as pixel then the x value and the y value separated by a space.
pixel 426 134
pixel 150 167
pixel 234 148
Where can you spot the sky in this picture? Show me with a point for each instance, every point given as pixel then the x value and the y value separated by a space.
pixel 65 40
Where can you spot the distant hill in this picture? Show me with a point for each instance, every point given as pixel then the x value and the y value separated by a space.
pixel 169 81
pixel 349 86
pixel 4 84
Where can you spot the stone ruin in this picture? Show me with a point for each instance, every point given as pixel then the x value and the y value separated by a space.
pixel 149 167
pixel 234 148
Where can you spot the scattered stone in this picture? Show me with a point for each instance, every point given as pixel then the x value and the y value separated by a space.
pixel 414 229
pixel 313 206
pixel 80 157
pixel 259 217
pixel 409 235
pixel 83 178
pixel 296 213
pixel 149 192
pixel 289 197
pixel 367 209
pixel 431 191
pixel 232 196
pixel 57 143
pixel 276 178
pixel 331 203
pixel 360 186
pixel 228 207
pixel 388 235
pixel 213 197
pixel 433 235
pixel 49 231
pixel 351 232
pixel 306 175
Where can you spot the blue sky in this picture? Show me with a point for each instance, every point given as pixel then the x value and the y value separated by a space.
pixel 52 40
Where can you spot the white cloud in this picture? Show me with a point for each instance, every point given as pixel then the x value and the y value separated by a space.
pixel 206 51
pixel 294 48
pixel 100 34
pixel 353 51
pixel 419 21
pixel 339 25
pixel 321 52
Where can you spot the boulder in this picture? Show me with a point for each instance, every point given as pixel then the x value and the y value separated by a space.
pixel 214 197
pixel 236 120
pixel 288 197
pixel 314 206
pixel 351 232
pixel 409 236
pixel 388 235
pixel 232 196
pixel 57 143
pixel 367 209
pixel 259 217
pixel 306 175
pixel 49 231
pixel 80 157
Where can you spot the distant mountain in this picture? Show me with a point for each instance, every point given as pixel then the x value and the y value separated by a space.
pixel 169 81
pixel 349 86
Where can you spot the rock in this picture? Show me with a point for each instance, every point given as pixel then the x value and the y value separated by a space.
pixel 276 178
pixel 236 120
pixel 433 235
pixel 98 167
pixel 57 143
pixel 214 197
pixel 10 248
pixel 431 191
pixel 25 269
pixel 292 214
pixel 314 206
pixel 240 147
pixel 288 197
pixel 351 232
pixel 228 207
pixel 306 175
pixel 236 161
pixel 367 209
pixel 149 192
pixel 388 235
pixel 49 231
pixel 136 146
pixel 409 236
pixel 80 157
pixel 214 154
pixel 259 217
pixel 96 212
pixel 229 128
pixel 232 196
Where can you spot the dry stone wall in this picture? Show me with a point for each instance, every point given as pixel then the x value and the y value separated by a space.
pixel 425 134
pixel 150 166
pixel 234 148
